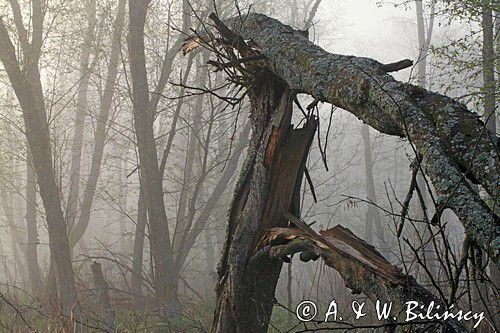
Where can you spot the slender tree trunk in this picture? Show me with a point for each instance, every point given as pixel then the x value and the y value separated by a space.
pixel 81 114
pixel 424 40
pixel 481 292
pixel 214 198
pixel 138 251
pixel 151 178
pixel 101 127
pixel 187 186
pixel 209 260
pixel 34 273
pixel 373 218
pixel 488 62
pixel 30 96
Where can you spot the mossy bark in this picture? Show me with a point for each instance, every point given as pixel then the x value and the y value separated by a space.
pixel 452 140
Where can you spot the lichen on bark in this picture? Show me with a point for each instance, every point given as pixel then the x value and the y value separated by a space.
pixel 452 140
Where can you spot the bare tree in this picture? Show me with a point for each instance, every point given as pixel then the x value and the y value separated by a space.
pixel 144 109
pixel 81 113
pixel 26 83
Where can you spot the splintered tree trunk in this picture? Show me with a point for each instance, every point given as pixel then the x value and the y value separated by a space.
pixel 450 138
pixel 275 161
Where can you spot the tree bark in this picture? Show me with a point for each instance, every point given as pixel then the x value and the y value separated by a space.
pixel 450 138
pixel 275 162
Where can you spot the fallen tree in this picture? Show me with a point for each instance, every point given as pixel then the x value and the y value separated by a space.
pixel 452 140
pixel 276 63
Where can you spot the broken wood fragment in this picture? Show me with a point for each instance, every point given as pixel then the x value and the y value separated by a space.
pixel 101 287
pixel 363 269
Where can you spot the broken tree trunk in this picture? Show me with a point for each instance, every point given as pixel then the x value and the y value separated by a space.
pixel 453 141
pixel 363 269
pixel 101 288
pixel 275 161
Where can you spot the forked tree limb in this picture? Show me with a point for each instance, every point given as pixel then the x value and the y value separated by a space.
pixel 452 140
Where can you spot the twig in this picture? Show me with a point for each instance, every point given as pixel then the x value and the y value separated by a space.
pixel 221 66
pixel 409 195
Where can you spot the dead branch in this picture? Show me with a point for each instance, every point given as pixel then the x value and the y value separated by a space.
pixel 397 66
pixel 363 269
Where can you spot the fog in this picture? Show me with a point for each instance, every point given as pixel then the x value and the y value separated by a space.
pixel 142 175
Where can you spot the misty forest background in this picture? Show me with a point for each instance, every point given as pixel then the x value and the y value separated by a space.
pixel 76 55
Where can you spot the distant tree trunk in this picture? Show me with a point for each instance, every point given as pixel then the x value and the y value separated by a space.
pixel 28 89
pixel 151 178
pixel 494 267
pixel 16 236
pixel 210 205
pixel 181 222
pixel 488 62
pixel 209 259
pixel 424 41
pixel 373 218
pixel 81 114
pixel 102 124
pixel 34 273
pixel 481 293
pixel 138 251
pixel 121 219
